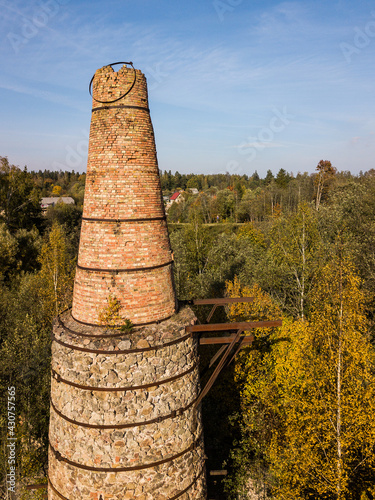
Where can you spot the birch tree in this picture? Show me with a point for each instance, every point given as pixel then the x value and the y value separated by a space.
pixel 295 247
pixel 57 272
pixel 325 385
pixel 308 401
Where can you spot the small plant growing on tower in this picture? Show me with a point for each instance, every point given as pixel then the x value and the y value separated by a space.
pixel 127 327
pixel 110 317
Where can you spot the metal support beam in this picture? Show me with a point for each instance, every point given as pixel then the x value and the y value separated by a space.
pixel 224 340
pixel 36 486
pixel 243 325
pixel 220 302
pixel 219 367
pixel 232 344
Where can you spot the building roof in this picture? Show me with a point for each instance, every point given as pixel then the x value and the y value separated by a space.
pixel 54 200
pixel 175 196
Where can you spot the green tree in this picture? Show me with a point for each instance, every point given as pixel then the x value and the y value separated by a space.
pixel 25 364
pixel 8 251
pixel 326 172
pixel 269 178
pixel 226 202
pixel 296 248
pixel 69 217
pixel 29 244
pixel 308 400
pixel 282 178
pixel 194 182
pixel 19 197
pixel 351 217
pixel 57 271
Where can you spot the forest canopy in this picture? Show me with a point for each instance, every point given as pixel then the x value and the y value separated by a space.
pixel 297 421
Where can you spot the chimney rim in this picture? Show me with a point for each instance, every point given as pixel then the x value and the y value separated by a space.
pixel 125 93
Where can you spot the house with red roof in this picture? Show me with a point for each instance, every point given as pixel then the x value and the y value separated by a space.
pixel 175 196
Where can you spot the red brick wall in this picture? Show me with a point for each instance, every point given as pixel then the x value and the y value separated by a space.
pixel 124 248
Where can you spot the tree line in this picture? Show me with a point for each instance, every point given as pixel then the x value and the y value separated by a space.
pixel 302 398
pixel 295 419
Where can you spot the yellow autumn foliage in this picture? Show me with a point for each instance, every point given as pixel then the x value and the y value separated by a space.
pixel 308 399
pixel 109 315
pixel 249 232
pixel 56 273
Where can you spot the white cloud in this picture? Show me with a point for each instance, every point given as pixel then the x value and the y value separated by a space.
pixel 261 145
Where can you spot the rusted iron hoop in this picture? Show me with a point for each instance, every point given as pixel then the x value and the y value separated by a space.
pixel 91 335
pixel 124 351
pixel 190 485
pixel 136 325
pixel 128 270
pixel 173 498
pixel 58 378
pixel 119 106
pixel 123 95
pixel 150 219
pixel 39 486
pixel 60 458
pixel 174 414
pixel 55 490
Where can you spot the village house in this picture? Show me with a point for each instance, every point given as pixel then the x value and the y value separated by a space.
pixel 54 200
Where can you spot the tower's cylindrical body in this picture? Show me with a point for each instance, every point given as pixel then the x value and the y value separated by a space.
pixel 124 246
pixel 124 424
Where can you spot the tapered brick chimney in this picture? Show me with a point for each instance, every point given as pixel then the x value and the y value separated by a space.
pixel 124 421
pixel 124 248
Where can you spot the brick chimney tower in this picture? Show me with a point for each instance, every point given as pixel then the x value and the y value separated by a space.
pixel 124 424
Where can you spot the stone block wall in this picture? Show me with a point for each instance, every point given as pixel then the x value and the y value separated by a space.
pixel 123 417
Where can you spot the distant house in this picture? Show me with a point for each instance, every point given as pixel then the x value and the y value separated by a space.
pixel 175 198
pixel 194 190
pixel 54 200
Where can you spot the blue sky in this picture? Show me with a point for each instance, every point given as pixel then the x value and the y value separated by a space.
pixel 234 85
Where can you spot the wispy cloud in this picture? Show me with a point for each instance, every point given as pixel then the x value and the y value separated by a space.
pixel 261 145
pixel 211 83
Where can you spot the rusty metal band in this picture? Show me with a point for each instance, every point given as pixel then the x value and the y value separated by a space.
pixel 60 458
pixel 120 106
pixel 39 486
pixel 91 335
pixel 58 378
pixel 136 325
pixel 55 490
pixel 173 498
pixel 125 93
pixel 173 414
pixel 188 487
pixel 149 219
pixel 128 270
pixel 124 351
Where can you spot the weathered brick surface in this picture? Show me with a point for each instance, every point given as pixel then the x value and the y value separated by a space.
pixel 93 288
pixel 127 245
pixel 123 226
